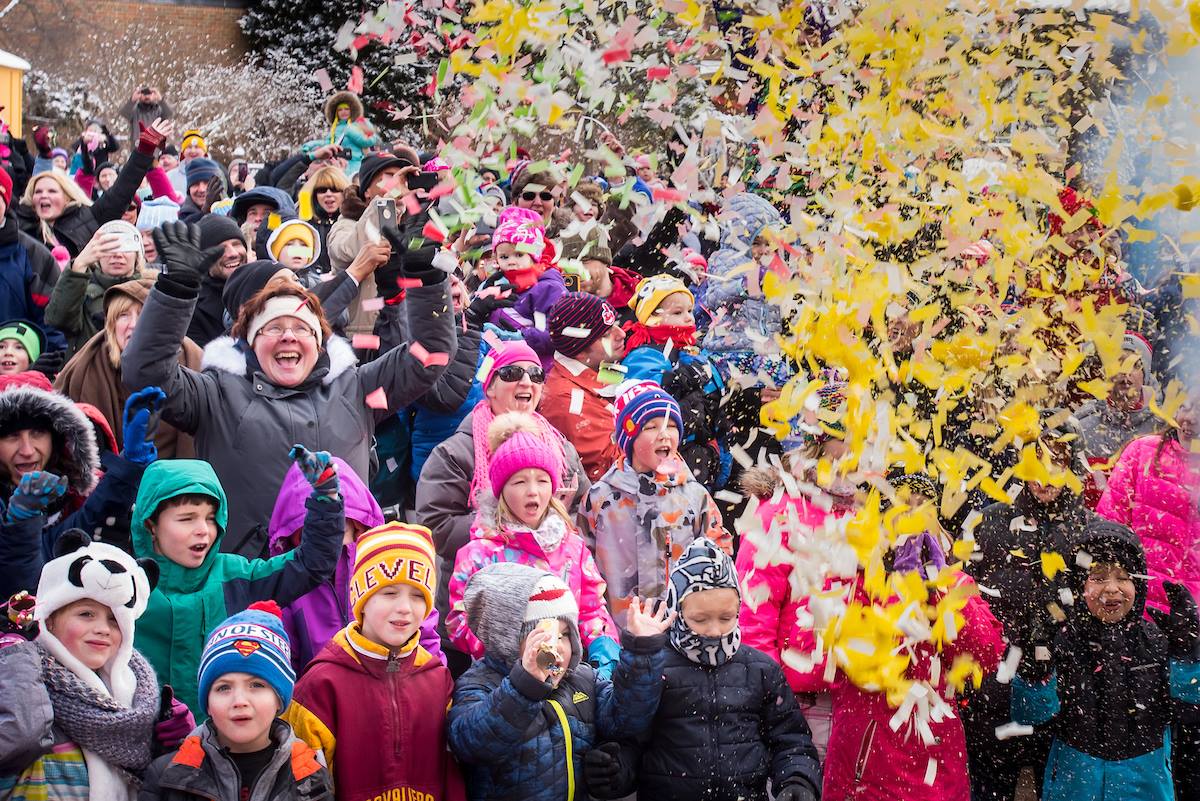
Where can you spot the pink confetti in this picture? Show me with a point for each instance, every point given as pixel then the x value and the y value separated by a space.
pixel 431 231
pixel 615 55
pixel 365 342
pixel 658 73
pixel 372 304
pixel 377 399
pixel 412 204
pixel 408 283
pixel 322 78
pixel 665 195
pixel 425 357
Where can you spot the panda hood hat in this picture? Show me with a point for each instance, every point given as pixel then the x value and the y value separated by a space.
pixel 96 571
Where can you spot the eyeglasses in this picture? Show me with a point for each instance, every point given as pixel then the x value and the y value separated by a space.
pixel 320 190
pixel 529 196
pixel 275 331
pixel 513 373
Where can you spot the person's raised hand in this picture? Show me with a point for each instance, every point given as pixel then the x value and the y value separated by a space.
pixel 143 409
pixel 529 657
pixel 370 257
pixel 641 623
pixel 179 249
pixel 319 471
pixel 152 138
pixel 214 191
pixel 43 140
pixel 34 493
pixel 480 310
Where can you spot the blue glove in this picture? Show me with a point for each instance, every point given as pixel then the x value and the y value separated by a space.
pixel 142 413
pixel 320 471
pixel 604 653
pixel 34 494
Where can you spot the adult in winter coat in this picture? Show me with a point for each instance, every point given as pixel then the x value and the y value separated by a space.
pixel 1115 680
pixel 93 375
pixel 190 601
pixel 313 619
pixel 281 378
pixel 56 212
pixel 1014 543
pixel 1154 490
pixel 27 270
pixel 112 256
pixel 42 431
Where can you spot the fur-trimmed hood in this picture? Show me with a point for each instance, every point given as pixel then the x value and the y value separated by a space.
pixel 75 454
pixel 336 99
pixel 224 355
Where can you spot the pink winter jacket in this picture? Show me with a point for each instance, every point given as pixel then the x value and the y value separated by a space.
pixel 866 759
pixel 1158 500
pixel 571 561
pixel 770 626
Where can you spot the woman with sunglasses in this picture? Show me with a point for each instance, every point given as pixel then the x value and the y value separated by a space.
pixel 320 206
pixel 456 473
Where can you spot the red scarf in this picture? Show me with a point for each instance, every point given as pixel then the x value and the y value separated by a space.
pixel 638 334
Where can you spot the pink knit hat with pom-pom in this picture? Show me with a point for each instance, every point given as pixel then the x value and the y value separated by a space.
pixel 522 447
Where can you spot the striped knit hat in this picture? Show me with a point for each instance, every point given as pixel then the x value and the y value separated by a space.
pixel 254 642
pixel 639 403
pixel 579 319
pixel 394 553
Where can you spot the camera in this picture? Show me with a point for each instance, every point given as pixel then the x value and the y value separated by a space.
pixel 145 90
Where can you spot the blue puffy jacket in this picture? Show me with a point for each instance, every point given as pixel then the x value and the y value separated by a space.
pixel 517 737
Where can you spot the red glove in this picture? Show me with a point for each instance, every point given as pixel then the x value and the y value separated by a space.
pixel 149 140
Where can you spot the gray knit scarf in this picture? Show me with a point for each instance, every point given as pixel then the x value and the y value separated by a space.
pixel 121 737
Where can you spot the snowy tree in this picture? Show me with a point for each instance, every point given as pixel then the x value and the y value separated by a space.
pixel 298 36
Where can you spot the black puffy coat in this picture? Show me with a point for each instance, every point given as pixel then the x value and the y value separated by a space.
pixel 77 224
pixel 721 733
pixel 1011 578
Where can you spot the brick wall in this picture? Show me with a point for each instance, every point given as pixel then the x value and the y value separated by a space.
pixel 75 32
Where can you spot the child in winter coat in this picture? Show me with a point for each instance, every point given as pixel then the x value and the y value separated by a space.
pixel 78 705
pixel 296 245
pixel 313 619
pixel 727 722
pixel 525 715
pixel 869 758
pixel 243 750
pixel 524 258
pixel 645 510
pixel 1109 689
pixel 660 346
pixel 528 524
pixel 1154 490
pixel 374 700
pixel 178 521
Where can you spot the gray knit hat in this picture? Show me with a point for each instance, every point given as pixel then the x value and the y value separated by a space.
pixel 501 609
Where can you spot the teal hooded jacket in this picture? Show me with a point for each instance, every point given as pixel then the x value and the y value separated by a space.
pixel 188 603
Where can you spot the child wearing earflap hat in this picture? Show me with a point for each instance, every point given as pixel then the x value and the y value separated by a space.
pixel 80 713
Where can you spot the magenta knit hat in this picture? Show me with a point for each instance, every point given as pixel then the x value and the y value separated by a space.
pixel 509 353
pixel 520 451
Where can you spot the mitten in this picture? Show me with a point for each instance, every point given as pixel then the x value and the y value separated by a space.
pixel 795 791
pixel 175 721
pixel 34 494
pixel 603 771
pixel 1182 624
pixel 319 470
pixel 142 412
pixel 149 140
pixel 49 363
pixel 87 160
pixel 921 552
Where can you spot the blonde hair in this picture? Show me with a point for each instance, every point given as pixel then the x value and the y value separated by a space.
pixel 118 305
pixel 75 197
pixel 327 178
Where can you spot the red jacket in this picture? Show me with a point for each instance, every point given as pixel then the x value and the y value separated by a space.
pixel 381 722
pixel 590 429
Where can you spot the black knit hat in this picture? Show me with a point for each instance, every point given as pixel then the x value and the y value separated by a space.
pixel 217 228
pixel 245 283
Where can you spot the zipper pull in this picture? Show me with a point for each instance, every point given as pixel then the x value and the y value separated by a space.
pixel 393 663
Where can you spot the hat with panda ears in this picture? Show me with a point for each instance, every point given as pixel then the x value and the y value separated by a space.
pixel 96 571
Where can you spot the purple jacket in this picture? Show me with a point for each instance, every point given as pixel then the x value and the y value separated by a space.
pixel 313 619
pixel 538 298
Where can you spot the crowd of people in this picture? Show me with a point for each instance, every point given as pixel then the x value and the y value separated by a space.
pixel 304 498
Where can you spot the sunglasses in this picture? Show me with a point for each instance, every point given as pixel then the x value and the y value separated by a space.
pixel 513 373
pixel 529 196
pixel 320 190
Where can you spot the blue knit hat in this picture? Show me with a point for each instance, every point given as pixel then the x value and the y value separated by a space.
pixel 639 403
pixel 254 642
pixel 201 169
